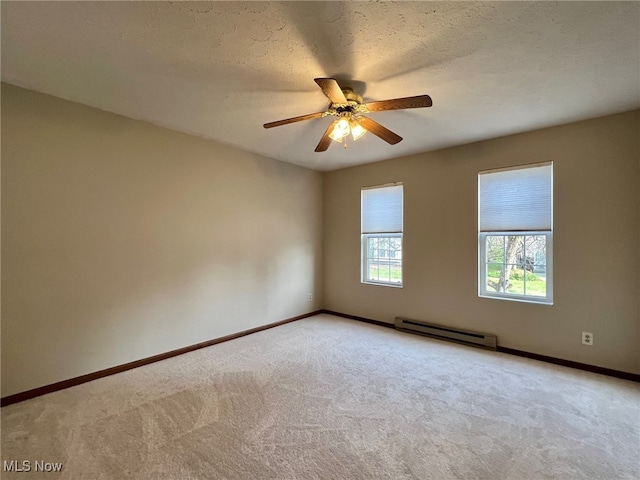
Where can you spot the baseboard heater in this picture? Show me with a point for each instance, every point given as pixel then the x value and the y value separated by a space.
pixel 467 337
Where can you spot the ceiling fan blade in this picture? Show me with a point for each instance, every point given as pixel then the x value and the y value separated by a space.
pixel 400 103
pixel 379 131
pixel 293 120
pixel 325 141
pixel 331 89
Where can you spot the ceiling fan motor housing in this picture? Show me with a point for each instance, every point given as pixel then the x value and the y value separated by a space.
pixel 352 96
pixel 353 106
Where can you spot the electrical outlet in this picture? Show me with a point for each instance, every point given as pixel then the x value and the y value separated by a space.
pixel 587 338
pixel 310 297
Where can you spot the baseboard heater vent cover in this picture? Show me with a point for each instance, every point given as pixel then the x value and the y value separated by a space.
pixel 467 337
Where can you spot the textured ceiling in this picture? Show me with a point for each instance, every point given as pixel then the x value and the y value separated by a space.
pixel 220 70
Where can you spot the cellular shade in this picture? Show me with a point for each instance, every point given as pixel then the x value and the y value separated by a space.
pixel 382 209
pixel 516 199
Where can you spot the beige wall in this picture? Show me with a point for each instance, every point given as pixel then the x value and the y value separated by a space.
pixel 596 242
pixel 121 240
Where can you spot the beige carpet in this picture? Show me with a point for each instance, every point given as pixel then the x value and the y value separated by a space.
pixel 328 398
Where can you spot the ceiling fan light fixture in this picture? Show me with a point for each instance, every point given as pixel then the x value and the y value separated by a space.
pixel 335 137
pixel 357 130
pixel 340 130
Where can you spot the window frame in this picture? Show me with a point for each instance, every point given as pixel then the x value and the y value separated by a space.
pixel 482 267
pixel 381 233
pixel 483 292
pixel 364 259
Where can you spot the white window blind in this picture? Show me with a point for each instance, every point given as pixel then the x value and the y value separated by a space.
pixel 517 199
pixel 382 209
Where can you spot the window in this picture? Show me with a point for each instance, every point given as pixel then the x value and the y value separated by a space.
pixel 382 235
pixel 515 233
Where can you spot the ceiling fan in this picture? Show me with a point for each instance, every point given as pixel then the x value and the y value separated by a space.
pixel 349 108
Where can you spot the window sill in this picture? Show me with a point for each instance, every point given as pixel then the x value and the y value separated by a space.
pixel 394 285
pixel 514 298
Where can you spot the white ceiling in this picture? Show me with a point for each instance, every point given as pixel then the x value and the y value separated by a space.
pixel 221 69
